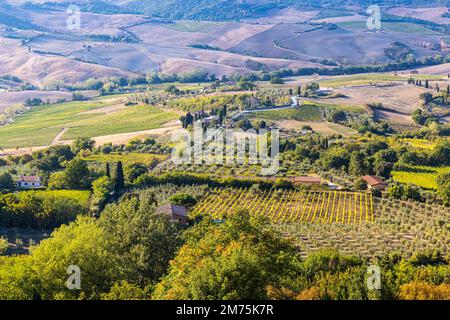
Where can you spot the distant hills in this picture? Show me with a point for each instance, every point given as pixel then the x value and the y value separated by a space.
pixel 216 10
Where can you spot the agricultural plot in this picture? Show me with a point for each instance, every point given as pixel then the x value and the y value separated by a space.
pixel 40 125
pixel 422 176
pixel 291 205
pixel 303 113
pixel 400 226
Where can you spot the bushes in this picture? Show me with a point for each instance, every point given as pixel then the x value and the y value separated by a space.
pixel 424 291
pixel 6 182
pixel 43 210
pixel 183 199
pixel 75 176
pixel 404 192
pixel 181 178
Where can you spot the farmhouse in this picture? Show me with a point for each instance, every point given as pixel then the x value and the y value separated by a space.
pixel 306 180
pixel 29 182
pixel 175 212
pixel 374 182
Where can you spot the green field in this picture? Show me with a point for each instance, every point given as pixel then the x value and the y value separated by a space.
pixel 323 105
pixel 40 125
pixel 360 79
pixel 303 113
pixel 126 158
pixel 192 26
pixel 403 27
pixel 422 176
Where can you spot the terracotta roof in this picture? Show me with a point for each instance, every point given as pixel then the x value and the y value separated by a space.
pixel 373 180
pixel 307 179
pixel 29 179
pixel 174 210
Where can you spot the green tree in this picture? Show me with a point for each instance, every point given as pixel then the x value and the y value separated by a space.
pixel 4 245
pixel 6 182
pixel 134 171
pixel 77 175
pixel 360 184
pixel 101 188
pixel 83 144
pixel 358 164
pixel 108 170
pixel 144 241
pixel 119 178
pixel 237 259
pixel 83 244
pixel 183 199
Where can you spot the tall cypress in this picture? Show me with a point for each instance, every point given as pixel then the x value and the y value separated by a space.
pixel 119 181
pixel 108 170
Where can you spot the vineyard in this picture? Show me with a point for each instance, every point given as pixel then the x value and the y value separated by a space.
pixel 285 206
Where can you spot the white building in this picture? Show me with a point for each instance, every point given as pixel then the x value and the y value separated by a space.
pixel 29 182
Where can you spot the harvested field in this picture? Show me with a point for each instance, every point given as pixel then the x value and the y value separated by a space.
pixel 40 69
pixel 431 14
pixel 325 128
pixel 400 97
pixel 12 98
pixel 288 15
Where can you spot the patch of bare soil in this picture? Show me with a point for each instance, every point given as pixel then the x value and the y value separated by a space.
pixel 325 128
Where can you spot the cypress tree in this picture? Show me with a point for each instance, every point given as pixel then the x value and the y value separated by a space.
pixel 108 171
pixel 119 180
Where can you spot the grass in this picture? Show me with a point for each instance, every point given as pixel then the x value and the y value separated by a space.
pixel 80 196
pixel 402 27
pixel 132 119
pixel 192 26
pixel 422 176
pixel 303 113
pixel 349 108
pixel 360 79
pixel 40 125
pixel 126 158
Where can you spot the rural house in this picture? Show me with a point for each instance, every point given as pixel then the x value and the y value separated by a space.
pixel 175 212
pixel 29 182
pixel 374 182
pixel 306 180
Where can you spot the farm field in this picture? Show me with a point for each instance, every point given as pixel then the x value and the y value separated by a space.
pixel 192 26
pixel 401 227
pixel 402 27
pixel 303 113
pixel 422 176
pixel 42 124
pixel 321 127
pixel 11 98
pixel 291 206
pixel 433 14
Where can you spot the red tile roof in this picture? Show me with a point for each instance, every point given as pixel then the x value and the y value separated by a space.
pixel 29 179
pixel 307 179
pixel 373 180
